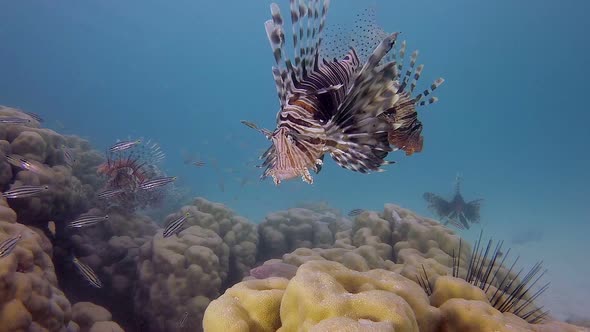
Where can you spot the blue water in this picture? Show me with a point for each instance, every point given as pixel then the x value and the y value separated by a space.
pixel 512 116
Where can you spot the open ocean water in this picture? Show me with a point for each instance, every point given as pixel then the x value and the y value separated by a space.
pixel 512 117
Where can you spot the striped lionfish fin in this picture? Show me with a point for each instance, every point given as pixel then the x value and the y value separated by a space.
pixel 357 136
pixel 308 21
pixel 413 73
pixel 269 157
pixel 406 129
pixel 284 68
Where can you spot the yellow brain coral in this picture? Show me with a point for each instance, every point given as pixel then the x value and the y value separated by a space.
pixel 318 297
pixel 252 305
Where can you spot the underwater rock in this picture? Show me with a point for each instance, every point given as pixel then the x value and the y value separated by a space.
pixel 30 299
pixel 284 231
pixel 106 326
pixel 85 314
pixel 238 233
pixel 68 194
pixel 180 274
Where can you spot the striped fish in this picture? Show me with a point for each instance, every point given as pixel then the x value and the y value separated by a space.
pixel 8 245
pixel 157 182
pixel 68 156
pixel 330 105
pixel 25 191
pixel 109 193
pixel 183 319
pixel 87 273
pixel 175 225
pixel 86 221
pixel 355 212
pixel 30 165
pixel 124 145
pixel 34 116
pixel 14 120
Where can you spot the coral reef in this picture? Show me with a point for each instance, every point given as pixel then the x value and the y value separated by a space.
pixel 284 231
pixel 70 187
pixel 327 296
pixel 182 273
pixel 29 297
pixel 306 268
pixel 93 318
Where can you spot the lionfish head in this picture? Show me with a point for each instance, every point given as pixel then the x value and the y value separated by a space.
pixel 290 160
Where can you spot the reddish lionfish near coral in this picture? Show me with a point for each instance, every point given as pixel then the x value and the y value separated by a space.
pixel 349 96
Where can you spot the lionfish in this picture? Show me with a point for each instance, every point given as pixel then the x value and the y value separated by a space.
pixel 457 212
pixel 357 106
pixel 127 169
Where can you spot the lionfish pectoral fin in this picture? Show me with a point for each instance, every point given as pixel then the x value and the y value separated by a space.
pixel 306 176
pixel 357 135
pixel 267 133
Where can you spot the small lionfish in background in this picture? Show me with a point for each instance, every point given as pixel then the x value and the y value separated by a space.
pixel 355 105
pixel 456 212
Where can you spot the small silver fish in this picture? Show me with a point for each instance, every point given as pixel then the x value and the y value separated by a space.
pixel 8 245
pixel 157 182
pixel 109 193
pixel 355 212
pixel 174 226
pixel 183 319
pixel 14 120
pixel 124 145
pixel 85 221
pixel 87 272
pixel 25 191
pixel 198 163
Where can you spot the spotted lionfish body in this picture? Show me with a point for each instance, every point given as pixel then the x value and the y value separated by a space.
pixel 356 110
